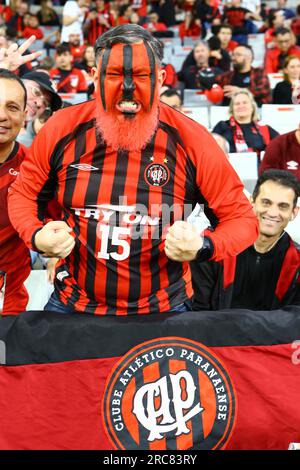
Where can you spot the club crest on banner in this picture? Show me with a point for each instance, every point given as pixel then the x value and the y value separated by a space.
pixel 169 393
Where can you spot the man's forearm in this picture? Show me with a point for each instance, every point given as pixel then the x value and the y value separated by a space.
pixel 68 20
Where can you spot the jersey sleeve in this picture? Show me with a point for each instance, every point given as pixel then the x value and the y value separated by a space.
pixel 222 191
pixel 33 189
pixel 272 157
pixel 81 82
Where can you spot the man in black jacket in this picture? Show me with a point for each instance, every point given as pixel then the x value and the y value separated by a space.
pixel 265 276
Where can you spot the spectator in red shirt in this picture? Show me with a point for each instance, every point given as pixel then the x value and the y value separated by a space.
pixel 208 13
pixel 98 21
pixel 283 153
pixel 76 49
pixel 153 25
pixel 295 25
pixel 171 75
pixel 33 28
pixel 134 18
pixel 47 15
pixel 68 79
pixel 6 12
pixel 17 20
pixel 239 18
pixel 275 20
pixel 190 27
pixel 285 46
pixel 87 63
pixel 140 7
pixel 224 33
pixel 125 14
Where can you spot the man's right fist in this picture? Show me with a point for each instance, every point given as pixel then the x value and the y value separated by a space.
pixel 55 240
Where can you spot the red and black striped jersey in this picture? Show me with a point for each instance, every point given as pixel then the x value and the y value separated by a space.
pixel 96 28
pixel 14 254
pixel 120 203
pixel 9 170
pixel 68 81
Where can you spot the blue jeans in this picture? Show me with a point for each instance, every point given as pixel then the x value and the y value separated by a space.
pixel 184 307
pixel 55 305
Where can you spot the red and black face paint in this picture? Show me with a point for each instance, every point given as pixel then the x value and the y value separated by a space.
pixel 152 71
pixel 128 84
pixel 128 78
pixel 128 95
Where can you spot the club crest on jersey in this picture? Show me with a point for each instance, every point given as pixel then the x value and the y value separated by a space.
pixel 169 393
pixel 157 174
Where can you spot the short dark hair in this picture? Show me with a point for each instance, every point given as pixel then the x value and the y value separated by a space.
pixel 171 92
pixel 272 16
pixel 8 75
pixel 62 48
pixel 214 43
pixel 282 31
pixel 282 177
pixel 224 26
pixel 128 34
pixel 246 46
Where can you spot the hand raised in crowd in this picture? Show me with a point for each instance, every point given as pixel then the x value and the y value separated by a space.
pixel 84 10
pixel 182 242
pixel 55 240
pixel 12 57
pixel 92 15
pixel 229 90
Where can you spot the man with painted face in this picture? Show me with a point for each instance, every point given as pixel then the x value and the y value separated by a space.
pixel 127 170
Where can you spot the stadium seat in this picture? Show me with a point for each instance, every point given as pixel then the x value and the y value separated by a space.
pixel 179 55
pixel 171 41
pixel 283 118
pixel 245 164
pixel 257 42
pixel 217 114
pixel 168 52
pixel 47 30
pixel 37 45
pixel 199 114
pixel 190 41
pixel 194 98
pixel 175 30
pixel 39 289
pixel 274 78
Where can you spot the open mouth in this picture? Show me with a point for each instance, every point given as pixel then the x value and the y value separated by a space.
pixel 128 107
pixel 3 129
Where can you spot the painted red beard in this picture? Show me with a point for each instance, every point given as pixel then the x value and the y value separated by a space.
pixel 123 133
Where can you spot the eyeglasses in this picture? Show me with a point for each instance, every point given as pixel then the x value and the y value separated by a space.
pixel 37 93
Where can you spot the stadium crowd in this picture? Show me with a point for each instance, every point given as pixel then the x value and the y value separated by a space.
pixel 227 58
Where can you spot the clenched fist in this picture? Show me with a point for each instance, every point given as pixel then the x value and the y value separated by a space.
pixel 55 240
pixel 182 242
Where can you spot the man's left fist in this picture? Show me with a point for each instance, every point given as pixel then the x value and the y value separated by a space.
pixel 182 242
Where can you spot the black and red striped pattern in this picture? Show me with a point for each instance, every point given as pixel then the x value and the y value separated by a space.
pixel 72 161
